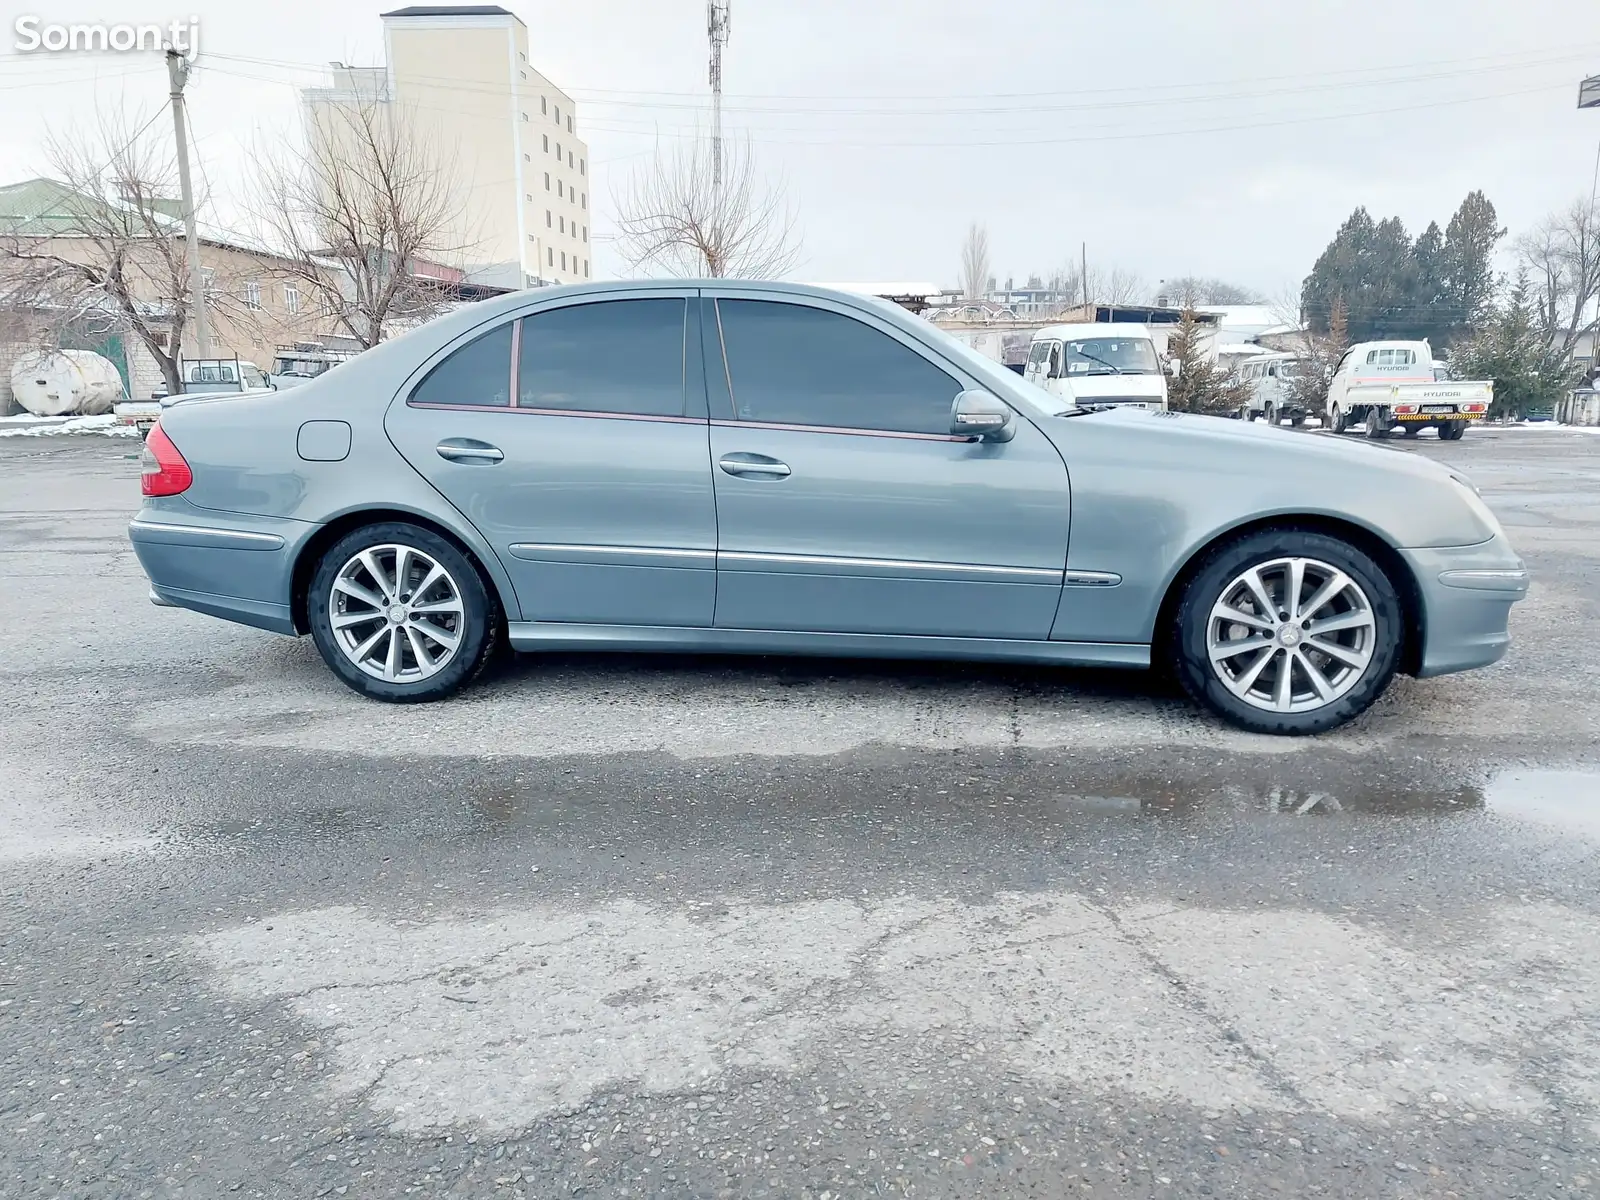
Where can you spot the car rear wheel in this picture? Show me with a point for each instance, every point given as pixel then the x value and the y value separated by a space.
pixel 1341 420
pixel 400 614
pixel 1377 424
pixel 1287 631
pixel 1451 431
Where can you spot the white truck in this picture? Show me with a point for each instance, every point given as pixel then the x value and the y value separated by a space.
pixel 1388 384
pixel 201 377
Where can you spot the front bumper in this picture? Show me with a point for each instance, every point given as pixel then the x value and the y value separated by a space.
pixel 1467 593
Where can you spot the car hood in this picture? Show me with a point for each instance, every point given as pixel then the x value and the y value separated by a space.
pixel 1260 471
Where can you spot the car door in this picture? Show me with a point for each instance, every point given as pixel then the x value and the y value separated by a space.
pixel 575 439
pixel 844 503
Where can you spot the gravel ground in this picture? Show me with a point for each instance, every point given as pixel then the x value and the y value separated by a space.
pixel 623 926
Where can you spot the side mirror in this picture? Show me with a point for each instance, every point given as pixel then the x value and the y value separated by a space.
pixel 982 415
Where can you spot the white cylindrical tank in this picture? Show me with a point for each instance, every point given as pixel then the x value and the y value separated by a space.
pixel 65 382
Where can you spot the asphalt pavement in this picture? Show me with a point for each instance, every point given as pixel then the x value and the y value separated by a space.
pixel 618 926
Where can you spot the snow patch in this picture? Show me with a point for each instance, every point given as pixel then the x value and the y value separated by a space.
pixel 105 424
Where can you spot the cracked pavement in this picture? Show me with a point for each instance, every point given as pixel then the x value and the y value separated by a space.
pixel 625 926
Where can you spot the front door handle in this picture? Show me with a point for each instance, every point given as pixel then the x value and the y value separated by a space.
pixel 469 450
pixel 753 464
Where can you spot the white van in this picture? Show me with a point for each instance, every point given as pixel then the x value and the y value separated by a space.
pixel 1269 378
pixel 1098 365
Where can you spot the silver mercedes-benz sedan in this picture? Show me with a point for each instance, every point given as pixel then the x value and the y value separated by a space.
pixel 775 469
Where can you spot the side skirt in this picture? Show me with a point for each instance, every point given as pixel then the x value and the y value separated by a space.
pixel 552 635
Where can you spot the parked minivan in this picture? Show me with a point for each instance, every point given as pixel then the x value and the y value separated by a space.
pixel 1099 365
pixel 1269 378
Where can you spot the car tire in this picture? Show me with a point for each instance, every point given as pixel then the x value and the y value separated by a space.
pixel 1377 426
pixel 1452 431
pixel 1296 421
pixel 1341 420
pixel 389 578
pixel 1408 430
pixel 1245 687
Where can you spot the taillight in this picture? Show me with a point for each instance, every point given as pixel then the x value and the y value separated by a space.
pixel 1473 408
pixel 1405 408
pixel 162 470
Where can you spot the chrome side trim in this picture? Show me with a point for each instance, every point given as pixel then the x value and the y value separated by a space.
pixel 641 556
pixel 554 635
pixel 172 534
pixel 1485 579
pixel 1091 579
pixel 762 559
pixel 877 433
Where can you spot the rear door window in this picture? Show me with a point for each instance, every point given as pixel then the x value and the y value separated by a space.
pixel 614 356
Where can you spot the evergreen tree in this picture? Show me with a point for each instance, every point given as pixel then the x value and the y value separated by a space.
pixel 1200 385
pixel 1433 288
pixel 1509 348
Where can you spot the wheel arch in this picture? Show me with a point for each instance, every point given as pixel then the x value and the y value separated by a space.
pixel 311 551
pixel 1413 615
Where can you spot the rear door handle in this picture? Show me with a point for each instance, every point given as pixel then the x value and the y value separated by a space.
pixel 469 450
pixel 753 464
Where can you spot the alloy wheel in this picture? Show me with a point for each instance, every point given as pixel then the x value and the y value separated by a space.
pixel 396 613
pixel 1291 635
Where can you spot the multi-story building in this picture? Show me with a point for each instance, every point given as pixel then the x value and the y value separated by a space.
pixel 459 76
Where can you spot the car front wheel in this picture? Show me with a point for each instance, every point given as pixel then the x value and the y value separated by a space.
pixel 1288 632
pixel 400 614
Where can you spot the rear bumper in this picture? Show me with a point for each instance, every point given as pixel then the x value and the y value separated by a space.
pixel 1467 593
pixel 1434 418
pixel 239 570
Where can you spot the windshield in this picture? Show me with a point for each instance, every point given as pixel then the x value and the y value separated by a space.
pixel 1111 356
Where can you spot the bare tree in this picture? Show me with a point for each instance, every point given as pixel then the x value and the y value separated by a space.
pixel 108 256
pixel 1115 285
pixel 675 218
pixel 975 262
pixel 1561 257
pixel 1189 290
pixel 354 209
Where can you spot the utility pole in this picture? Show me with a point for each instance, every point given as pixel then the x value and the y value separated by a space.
pixel 1084 248
pixel 178 73
pixel 717 19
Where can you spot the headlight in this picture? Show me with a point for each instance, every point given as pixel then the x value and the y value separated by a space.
pixel 1474 499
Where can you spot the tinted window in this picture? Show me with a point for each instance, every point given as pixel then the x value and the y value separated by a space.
pixel 619 356
pixel 802 366
pixel 478 373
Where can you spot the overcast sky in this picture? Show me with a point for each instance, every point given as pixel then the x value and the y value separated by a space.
pixel 1222 138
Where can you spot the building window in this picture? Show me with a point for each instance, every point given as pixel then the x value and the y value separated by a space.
pixel 586 268
pixel 552 258
pixel 522 56
pixel 291 298
pixel 563 260
pixel 558 188
pixel 547 220
pixel 569 122
pixel 584 200
pixel 252 294
pixel 586 234
pixel 569 158
pixel 524 116
pixel 558 151
pixel 527 158
pixel 558 114
pixel 580 166
pixel 524 74
pixel 547 143
pixel 528 196
pixel 544 105
pixel 563 224
pixel 547 181
pixel 530 237
pixel 327 308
